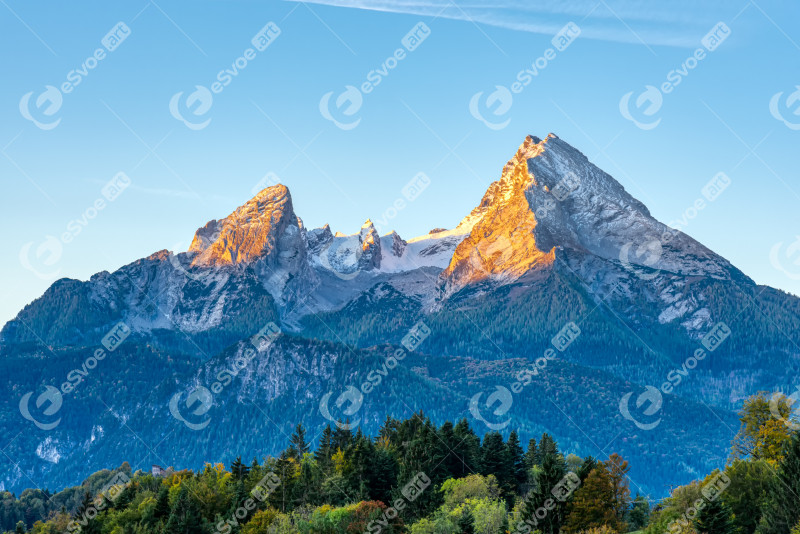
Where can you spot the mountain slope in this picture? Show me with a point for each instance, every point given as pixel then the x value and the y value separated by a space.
pixel 557 269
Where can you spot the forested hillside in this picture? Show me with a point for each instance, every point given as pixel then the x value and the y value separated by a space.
pixel 419 478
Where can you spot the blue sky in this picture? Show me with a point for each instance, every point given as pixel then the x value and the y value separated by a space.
pixel 734 111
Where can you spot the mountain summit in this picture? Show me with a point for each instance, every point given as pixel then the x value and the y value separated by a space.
pixel 550 209
pixel 251 232
pixel 549 198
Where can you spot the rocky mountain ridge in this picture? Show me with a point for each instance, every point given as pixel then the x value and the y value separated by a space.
pixel 554 242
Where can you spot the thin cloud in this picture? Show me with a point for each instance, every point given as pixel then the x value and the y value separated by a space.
pixel 678 23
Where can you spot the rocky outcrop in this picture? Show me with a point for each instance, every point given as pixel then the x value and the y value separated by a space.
pixel 258 230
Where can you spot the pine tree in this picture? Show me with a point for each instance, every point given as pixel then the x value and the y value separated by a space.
pixel 162 504
pixel 589 463
pixel 82 514
pixel 285 468
pixel 238 469
pixel 342 437
pixel 86 503
pixel 325 450
pixel 384 475
pixel 361 456
pixel 516 460
pixel 714 518
pixel 448 443
pixel 782 511
pixel 531 455
pixel 546 446
pixel 308 484
pixel 239 496
pixel 639 514
pixel 185 517
pixel 388 430
pixel 466 523
pixel 468 449
pixel 494 458
pixel 552 472
pixel 298 441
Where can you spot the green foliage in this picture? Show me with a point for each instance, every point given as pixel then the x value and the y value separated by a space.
pixel 762 435
pixel 419 478
pixel 715 518
pixel 782 511
pixel 639 514
pixel 748 491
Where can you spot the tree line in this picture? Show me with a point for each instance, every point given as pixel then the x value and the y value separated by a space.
pixel 417 477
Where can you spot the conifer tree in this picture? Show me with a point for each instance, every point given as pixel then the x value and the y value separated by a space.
pixel 546 446
pixel 448 445
pixel 552 472
pixel 161 511
pixel 782 511
pixel 639 514
pixel 466 523
pixel 714 518
pixel 516 460
pixel 238 469
pixel 298 441
pixel 342 437
pixel 325 450
pixel 468 449
pixel 531 455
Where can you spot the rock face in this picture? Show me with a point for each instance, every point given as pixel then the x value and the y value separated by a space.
pixel 501 245
pixel 370 241
pixel 551 198
pixel 583 208
pixel 551 208
pixel 252 232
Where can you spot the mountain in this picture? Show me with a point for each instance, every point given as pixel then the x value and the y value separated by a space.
pixel 558 304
